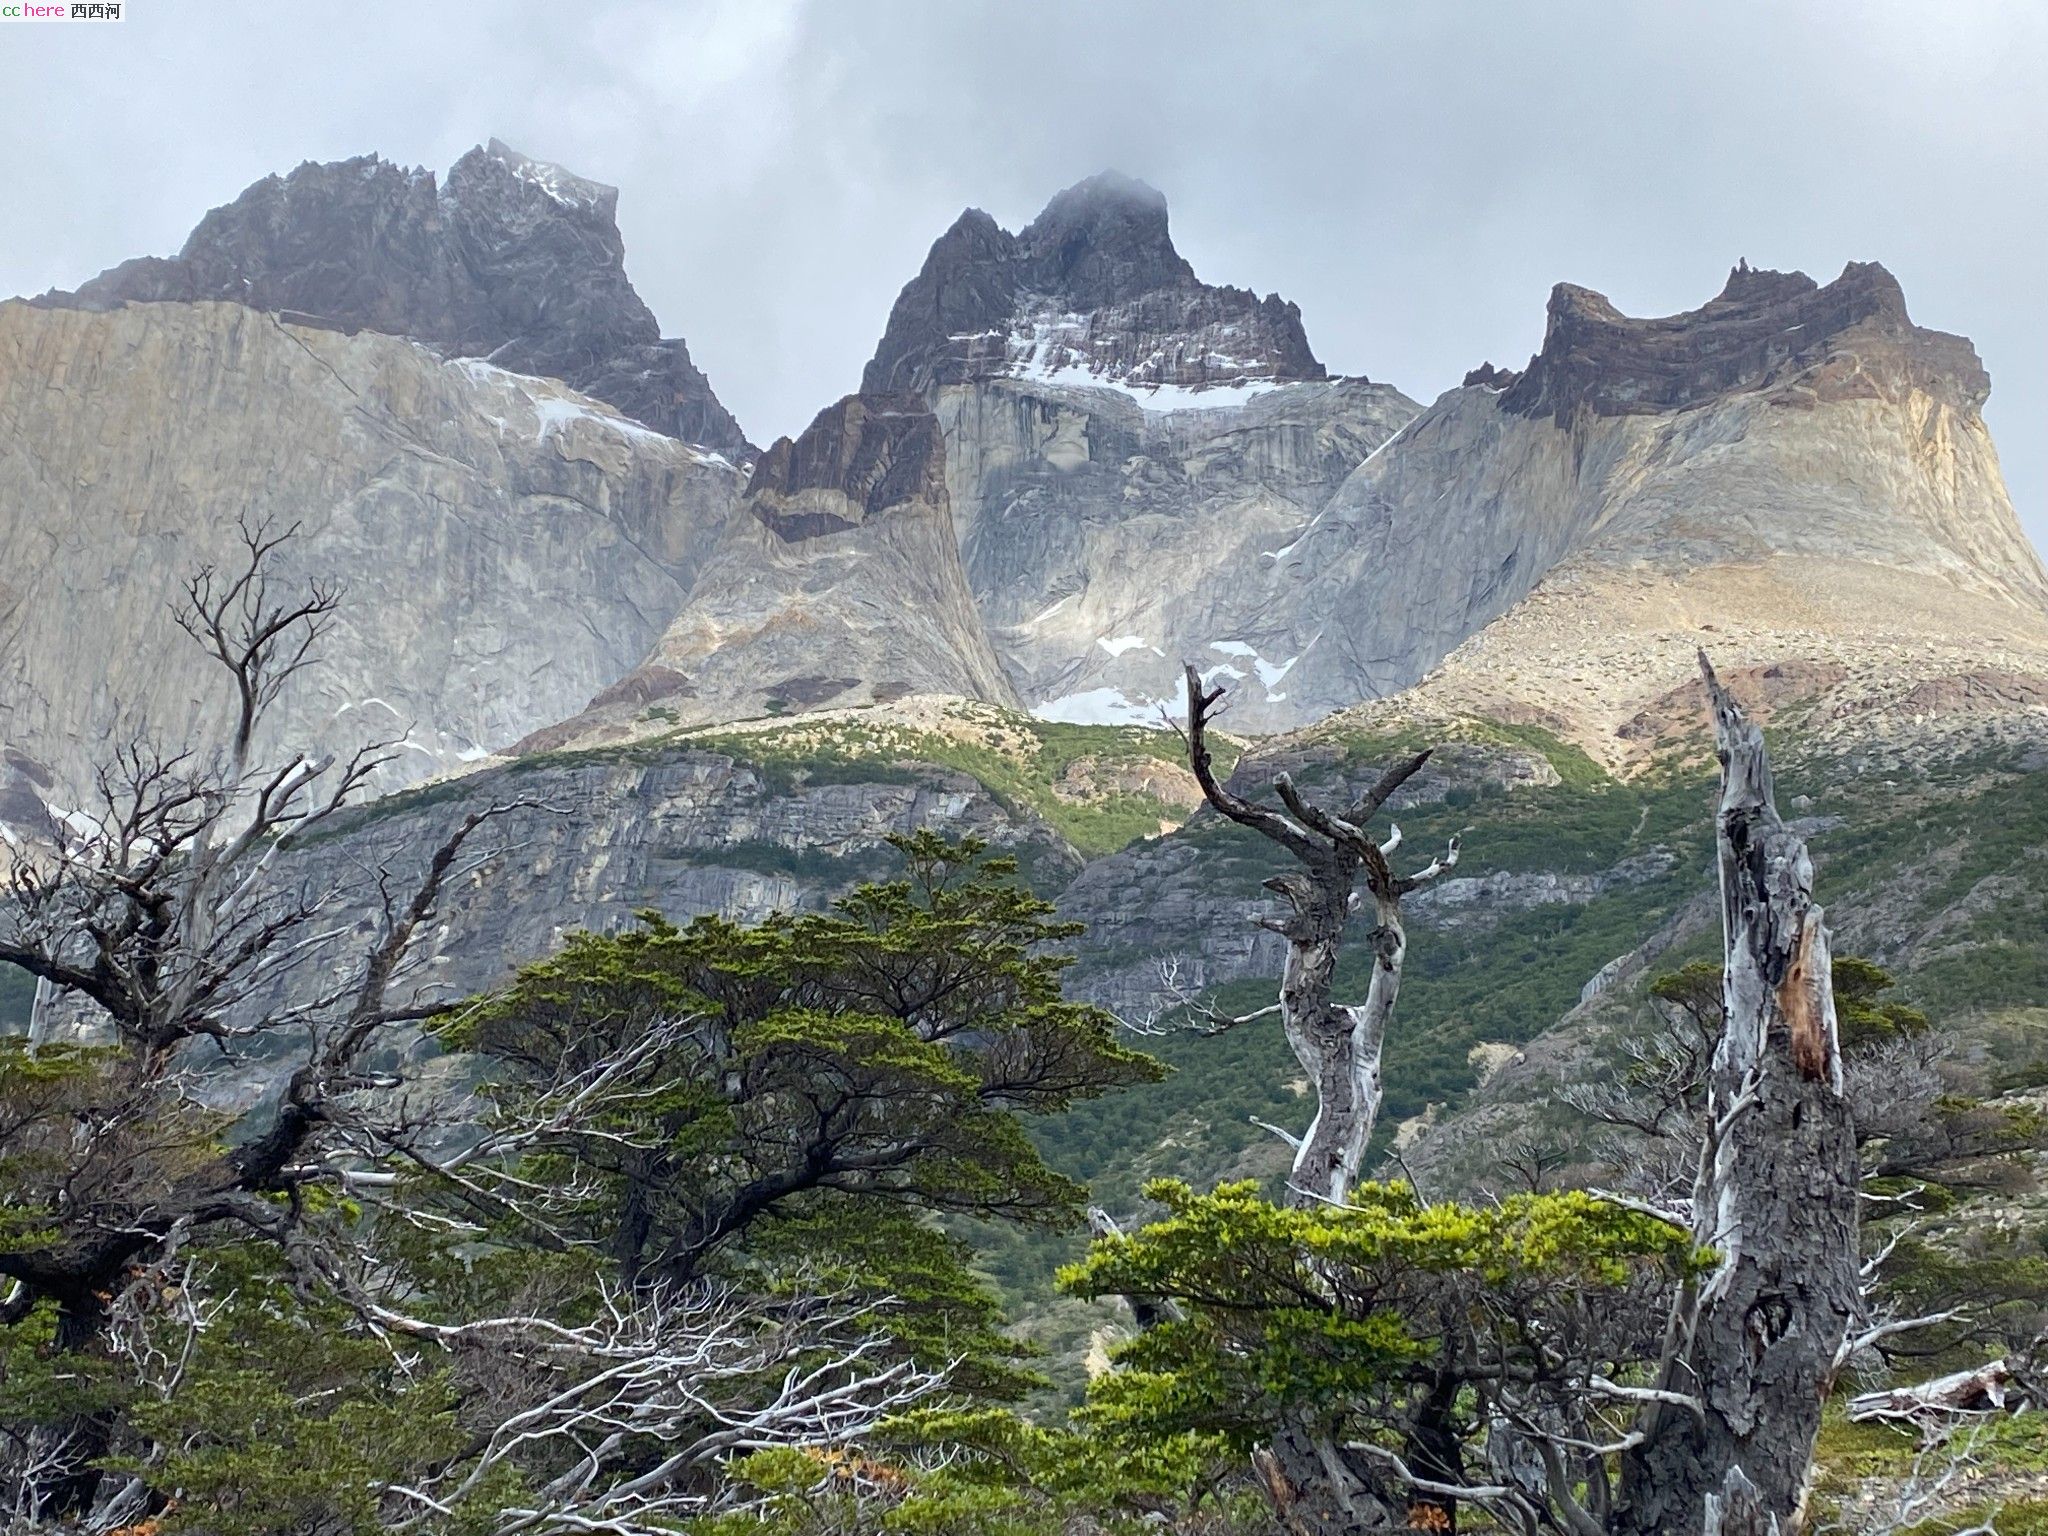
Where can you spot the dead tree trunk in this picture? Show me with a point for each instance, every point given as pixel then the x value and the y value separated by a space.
pixel 1337 1044
pixel 1754 1344
pixel 1318 1488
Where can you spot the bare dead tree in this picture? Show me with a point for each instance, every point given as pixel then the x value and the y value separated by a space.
pixel 1315 1483
pixel 159 905
pixel 1755 1346
pixel 1706 1396
pixel 1337 1044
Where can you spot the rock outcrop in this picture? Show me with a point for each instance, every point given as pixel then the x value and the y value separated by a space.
pixel 837 583
pixel 1849 340
pixel 504 547
pixel 1828 519
pixel 513 259
pixel 1317 544
pixel 602 836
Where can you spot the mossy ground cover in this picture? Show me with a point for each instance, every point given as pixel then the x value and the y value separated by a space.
pixel 1869 1462
pixel 1020 760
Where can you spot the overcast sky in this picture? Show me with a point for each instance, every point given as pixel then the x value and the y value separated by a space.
pixel 1415 176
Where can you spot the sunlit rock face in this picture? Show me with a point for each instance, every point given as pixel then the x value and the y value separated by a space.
pixel 1783 420
pixel 511 259
pixel 502 546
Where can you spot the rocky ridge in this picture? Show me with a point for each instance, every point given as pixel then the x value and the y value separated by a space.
pixel 1851 339
pixel 1315 543
pixel 1859 442
pixel 513 260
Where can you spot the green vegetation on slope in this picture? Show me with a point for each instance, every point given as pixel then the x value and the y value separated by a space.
pixel 1048 768
pixel 1963 848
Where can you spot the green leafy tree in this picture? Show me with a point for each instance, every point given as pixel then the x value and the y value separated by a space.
pixel 684 1209
pixel 795 1098
pixel 1422 1335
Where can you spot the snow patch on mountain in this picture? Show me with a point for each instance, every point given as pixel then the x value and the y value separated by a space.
pixel 1106 706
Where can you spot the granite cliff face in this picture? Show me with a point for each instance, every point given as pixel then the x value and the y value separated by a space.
pixel 837 582
pixel 512 259
pixel 1106 541
pixel 676 828
pixel 1793 476
pixel 504 546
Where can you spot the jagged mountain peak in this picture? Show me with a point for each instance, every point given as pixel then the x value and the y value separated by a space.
pixel 561 186
pixel 1747 284
pixel 1104 240
pixel 1764 330
pixel 1106 192
pixel 510 257
pixel 1091 292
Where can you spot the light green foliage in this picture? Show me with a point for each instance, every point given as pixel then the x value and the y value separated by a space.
pixel 1329 1311
pixel 772 1118
pixel 987 1470
pixel 263 1410
pixel 45 1092
pixel 286 1418
pixel 1021 760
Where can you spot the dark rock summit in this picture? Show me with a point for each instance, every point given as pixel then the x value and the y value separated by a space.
pixel 861 458
pixel 1486 376
pixel 1092 291
pixel 513 260
pixel 1849 339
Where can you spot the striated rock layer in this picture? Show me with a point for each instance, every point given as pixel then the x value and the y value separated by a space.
pixel 504 546
pixel 512 259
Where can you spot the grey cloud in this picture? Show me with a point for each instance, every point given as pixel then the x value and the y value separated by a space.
pixel 1415 177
